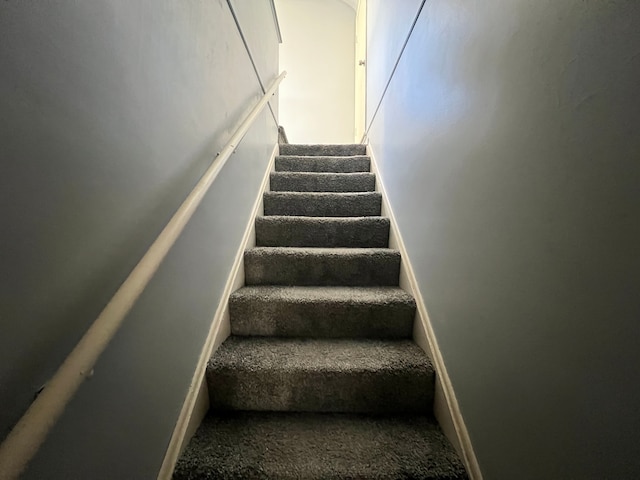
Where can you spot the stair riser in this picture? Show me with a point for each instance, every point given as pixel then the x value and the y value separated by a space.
pixel 407 391
pixel 322 205
pixel 310 182
pixel 370 232
pixel 323 164
pixel 323 150
pixel 322 270
pixel 264 317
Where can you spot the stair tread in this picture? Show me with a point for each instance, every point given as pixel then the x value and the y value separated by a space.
pixel 338 220
pixel 312 446
pixel 322 266
pixel 318 163
pixel 320 375
pixel 324 157
pixel 322 182
pixel 323 149
pixel 340 251
pixel 300 231
pixel 323 194
pixel 323 204
pixel 322 312
pixel 325 355
pixel 368 295
pixel 323 174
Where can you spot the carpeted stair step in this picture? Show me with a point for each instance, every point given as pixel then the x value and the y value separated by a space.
pixel 298 163
pixel 292 231
pixel 315 204
pixel 320 375
pixel 315 446
pixel 323 150
pixel 322 312
pixel 322 182
pixel 349 267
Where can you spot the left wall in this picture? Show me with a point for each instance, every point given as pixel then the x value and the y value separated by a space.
pixel 111 111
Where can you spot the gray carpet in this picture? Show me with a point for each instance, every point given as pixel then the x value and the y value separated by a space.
pixel 322 182
pixel 305 266
pixel 320 375
pixel 304 163
pixel 288 446
pixel 297 231
pixel 323 150
pixel 323 204
pixel 322 312
pixel 320 378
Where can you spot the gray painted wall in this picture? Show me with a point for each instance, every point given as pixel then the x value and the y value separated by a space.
pixel 110 113
pixel 509 146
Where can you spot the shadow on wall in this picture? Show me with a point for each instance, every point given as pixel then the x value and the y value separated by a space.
pixel 507 147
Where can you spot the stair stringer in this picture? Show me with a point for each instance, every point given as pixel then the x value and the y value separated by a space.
pixel 196 403
pixel 445 408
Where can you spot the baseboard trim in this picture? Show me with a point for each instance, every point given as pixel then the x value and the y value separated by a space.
pixel 446 408
pixel 196 403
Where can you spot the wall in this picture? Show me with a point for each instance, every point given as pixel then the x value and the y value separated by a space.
pixel 360 74
pixel 509 146
pixel 317 101
pixel 110 113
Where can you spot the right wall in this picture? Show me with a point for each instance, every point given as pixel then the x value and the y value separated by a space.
pixel 509 145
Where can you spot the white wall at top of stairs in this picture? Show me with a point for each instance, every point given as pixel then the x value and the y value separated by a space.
pixel 317 51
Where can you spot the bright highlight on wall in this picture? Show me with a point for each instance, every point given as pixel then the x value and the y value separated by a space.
pixel 317 51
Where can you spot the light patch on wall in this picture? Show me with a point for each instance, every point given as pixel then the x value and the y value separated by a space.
pixel 317 99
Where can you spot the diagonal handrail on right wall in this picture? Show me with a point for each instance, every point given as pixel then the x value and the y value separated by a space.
pixel 365 136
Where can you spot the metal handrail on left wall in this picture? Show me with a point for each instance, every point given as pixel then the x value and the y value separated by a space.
pixel 27 436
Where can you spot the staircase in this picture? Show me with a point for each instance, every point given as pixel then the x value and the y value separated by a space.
pixel 320 378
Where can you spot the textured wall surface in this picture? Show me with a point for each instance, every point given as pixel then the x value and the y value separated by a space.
pixel 110 113
pixel 317 51
pixel 508 142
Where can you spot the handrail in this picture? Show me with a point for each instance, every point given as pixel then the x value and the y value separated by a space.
pixel 365 135
pixel 31 430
